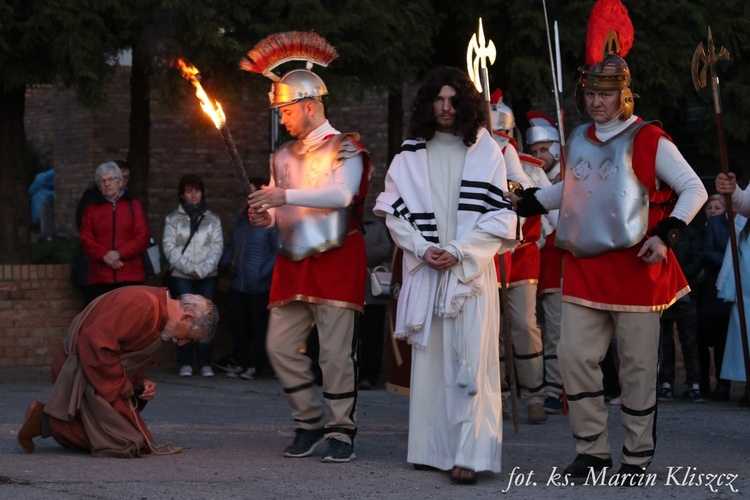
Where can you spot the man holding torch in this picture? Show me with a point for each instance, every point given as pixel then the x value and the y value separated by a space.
pixel 318 183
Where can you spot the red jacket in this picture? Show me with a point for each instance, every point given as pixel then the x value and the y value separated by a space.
pixel 120 226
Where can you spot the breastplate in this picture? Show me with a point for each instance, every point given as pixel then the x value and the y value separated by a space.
pixel 604 205
pixel 305 231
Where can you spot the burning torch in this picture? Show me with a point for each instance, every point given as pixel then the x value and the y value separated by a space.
pixel 216 113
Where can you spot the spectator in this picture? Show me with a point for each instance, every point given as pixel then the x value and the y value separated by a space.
pixel 689 253
pixel 92 192
pixel 733 364
pixel 250 257
pixel 114 234
pixel 713 312
pixel 193 243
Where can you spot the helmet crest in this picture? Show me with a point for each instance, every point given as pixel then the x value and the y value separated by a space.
pixel 610 37
pixel 279 48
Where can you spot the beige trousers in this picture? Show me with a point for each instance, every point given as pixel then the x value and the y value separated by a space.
pixel 551 315
pixel 586 334
pixel 527 343
pixel 288 328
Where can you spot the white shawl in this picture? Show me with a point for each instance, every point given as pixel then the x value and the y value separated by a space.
pixel 407 196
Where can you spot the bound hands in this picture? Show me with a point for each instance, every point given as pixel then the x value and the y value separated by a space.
pixel 439 259
pixel 512 198
pixel 726 183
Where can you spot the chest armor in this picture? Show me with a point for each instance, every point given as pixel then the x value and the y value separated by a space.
pixel 305 231
pixel 604 205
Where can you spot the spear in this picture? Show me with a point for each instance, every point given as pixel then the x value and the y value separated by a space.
pixel 704 68
pixel 477 53
pixel 556 66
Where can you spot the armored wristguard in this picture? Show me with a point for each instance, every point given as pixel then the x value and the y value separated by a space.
pixel 669 230
pixel 528 205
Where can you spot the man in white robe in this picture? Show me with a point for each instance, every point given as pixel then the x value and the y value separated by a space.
pixel 444 209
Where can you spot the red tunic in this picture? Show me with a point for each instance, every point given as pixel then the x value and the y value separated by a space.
pixel 619 280
pixel 335 277
pixel 550 266
pixel 128 319
pixel 525 259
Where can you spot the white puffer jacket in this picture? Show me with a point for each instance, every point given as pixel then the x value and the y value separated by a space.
pixel 204 251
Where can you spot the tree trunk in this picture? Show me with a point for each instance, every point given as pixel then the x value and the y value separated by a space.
pixel 395 123
pixel 15 217
pixel 140 124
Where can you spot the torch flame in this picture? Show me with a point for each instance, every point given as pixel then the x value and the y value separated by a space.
pixel 215 112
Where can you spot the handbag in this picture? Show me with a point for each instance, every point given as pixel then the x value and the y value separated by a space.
pixel 380 281
pixel 168 273
pixel 228 274
pixel 152 259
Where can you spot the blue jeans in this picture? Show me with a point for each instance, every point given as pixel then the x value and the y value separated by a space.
pixel 207 288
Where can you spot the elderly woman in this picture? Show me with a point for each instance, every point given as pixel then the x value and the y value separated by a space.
pixel 114 234
pixel 193 244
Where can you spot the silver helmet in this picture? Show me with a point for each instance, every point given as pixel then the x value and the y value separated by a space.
pixel 295 85
pixel 543 129
pixel 501 116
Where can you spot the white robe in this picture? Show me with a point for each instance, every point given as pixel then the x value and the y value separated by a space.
pixel 447 426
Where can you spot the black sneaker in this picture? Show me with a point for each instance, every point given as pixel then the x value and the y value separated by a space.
pixel 553 405
pixel 665 393
pixel 305 441
pixel 338 452
pixel 694 395
pixel 583 463
pixel 631 475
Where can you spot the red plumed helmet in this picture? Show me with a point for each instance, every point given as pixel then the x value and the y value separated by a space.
pixel 609 38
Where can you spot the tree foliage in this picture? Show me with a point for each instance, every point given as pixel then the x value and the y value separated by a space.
pixel 667 33
pixel 77 41
pixel 382 43
pixel 41 42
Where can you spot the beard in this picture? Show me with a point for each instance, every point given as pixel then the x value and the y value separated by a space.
pixel 167 336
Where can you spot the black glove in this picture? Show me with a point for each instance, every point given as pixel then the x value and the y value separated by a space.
pixel 528 205
pixel 669 230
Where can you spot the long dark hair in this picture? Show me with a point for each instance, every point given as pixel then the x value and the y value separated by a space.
pixel 470 114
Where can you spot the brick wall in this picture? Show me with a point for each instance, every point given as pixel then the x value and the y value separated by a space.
pixel 37 303
pixel 75 140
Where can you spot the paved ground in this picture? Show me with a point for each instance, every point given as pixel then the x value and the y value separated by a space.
pixel 233 433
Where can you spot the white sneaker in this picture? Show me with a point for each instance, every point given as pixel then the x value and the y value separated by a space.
pixel 186 371
pixel 206 371
pixel 248 374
